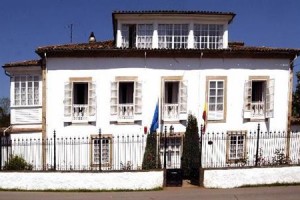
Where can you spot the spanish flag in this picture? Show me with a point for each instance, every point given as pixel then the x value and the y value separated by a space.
pixel 204 117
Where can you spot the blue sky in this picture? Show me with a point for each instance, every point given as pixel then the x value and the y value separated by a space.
pixel 26 25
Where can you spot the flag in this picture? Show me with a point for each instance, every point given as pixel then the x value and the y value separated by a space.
pixel 154 124
pixel 204 117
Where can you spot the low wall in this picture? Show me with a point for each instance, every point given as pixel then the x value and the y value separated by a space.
pixel 81 180
pixel 232 178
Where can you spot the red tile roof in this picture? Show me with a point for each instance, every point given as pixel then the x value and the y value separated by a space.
pixel 26 63
pixel 107 49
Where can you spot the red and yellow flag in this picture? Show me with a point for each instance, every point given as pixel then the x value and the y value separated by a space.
pixel 204 117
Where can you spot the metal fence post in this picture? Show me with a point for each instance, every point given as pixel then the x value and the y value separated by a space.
pixel 0 152
pixel 54 146
pixel 100 149
pixel 201 138
pixel 257 145
pixel 165 147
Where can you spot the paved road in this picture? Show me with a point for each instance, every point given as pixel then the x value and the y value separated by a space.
pixel 263 193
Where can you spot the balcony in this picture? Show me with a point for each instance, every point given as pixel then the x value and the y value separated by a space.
pixel 171 112
pixel 126 111
pixel 258 109
pixel 80 112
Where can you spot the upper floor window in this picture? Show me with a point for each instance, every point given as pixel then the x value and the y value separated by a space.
pixel 126 98
pixel 208 36
pixel 173 36
pixel 80 100
pixel 137 35
pixel 26 90
pixel 216 98
pixel 259 98
pixel 174 98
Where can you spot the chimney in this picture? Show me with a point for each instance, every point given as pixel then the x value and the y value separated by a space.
pixel 92 38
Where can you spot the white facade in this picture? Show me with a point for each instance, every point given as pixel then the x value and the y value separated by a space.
pixel 149 72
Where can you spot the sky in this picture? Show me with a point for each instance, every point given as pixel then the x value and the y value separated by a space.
pixel 26 25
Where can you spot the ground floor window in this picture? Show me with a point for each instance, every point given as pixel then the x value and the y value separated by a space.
pixel 236 146
pixel 105 151
pixel 173 151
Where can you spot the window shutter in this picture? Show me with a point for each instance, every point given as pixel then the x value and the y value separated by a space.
pixel 183 96
pixel 114 98
pixel 138 97
pixel 247 98
pixel 270 99
pixel 92 101
pixel 68 102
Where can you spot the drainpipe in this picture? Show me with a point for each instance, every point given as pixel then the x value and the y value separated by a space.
pixel 1 145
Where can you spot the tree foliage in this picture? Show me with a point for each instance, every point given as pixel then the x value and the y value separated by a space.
pixel 296 98
pixel 4 112
pixel 191 151
pixel 151 159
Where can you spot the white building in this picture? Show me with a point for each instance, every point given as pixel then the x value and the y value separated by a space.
pixel 181 60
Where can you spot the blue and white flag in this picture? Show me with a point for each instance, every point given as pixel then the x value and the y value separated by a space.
pixel 154 124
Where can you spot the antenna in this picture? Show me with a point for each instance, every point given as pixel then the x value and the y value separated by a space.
pixel 71 32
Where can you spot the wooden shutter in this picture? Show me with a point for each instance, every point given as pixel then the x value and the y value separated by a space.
pixel 114 98
pixel 247 98
pixel 92 101
pixel 68 102
pixel 183 96
pixel 270 98
pixel 138 97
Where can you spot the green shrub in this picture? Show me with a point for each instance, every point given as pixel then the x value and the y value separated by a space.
pixel 16 162
pixel 151 159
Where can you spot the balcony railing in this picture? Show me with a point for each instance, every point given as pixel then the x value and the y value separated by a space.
pixel 126 111
pixel 171 112
pixel 258 109
pixel 80 112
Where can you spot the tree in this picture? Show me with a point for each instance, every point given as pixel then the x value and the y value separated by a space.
pixel 191 152
pixel 4 112
pixel 296 98
pixel 151 160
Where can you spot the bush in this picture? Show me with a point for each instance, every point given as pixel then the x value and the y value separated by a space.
pixel 151 159
pixel 16 162
pixel 191 152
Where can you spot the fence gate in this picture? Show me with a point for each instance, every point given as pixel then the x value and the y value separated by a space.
pixel 170 156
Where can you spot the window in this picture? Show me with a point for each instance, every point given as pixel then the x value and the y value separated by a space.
pixel 126 98
pixel 216 98
pixel 80 100
pixel 259 98
pixel 174 98
pixel 139 35
pixel 26 90
pixel 236 146
pixel 144 36
pixel 105 151
pixel 173 36
pixel 208 36
pixel 173 151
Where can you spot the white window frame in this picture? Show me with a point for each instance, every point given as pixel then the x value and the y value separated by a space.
pixel 214 101
pixel 236 146
pixel 268 101
pixel 137 100
pixel 68 100
pixel 208 36
pixel 173 151
pixel 106 151
pixel 143 35
pixel 182 98
pixel 26 90
pixel 173 36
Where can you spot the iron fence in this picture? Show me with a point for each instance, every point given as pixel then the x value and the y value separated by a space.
pixel 125 152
